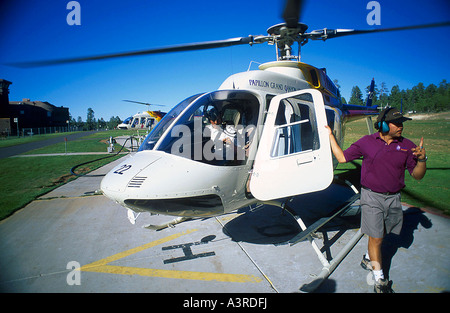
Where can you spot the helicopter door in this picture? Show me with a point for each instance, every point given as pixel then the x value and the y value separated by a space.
pixel 294 154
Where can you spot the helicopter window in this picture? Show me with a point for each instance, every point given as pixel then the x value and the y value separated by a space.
pixel 296 129
pixel 165 123
pixel 149 122
pixel 217 129
pixel 330 118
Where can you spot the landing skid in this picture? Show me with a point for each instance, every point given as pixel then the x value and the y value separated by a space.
pixel 309 233
pixel 170 224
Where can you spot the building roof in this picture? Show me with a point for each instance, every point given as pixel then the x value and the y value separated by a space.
pixel 42 104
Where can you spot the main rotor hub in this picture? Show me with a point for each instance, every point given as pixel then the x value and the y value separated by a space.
pixel 285 37
pixel 276 30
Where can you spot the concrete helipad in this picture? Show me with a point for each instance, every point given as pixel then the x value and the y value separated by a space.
pixel 43 245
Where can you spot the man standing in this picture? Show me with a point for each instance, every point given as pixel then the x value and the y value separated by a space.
pixel 386 155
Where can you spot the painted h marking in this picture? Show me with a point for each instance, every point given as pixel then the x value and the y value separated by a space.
pixel 103 265
pixel 188 255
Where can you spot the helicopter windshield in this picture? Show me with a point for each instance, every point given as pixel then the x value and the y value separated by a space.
pixel 216 129
pixel 164 123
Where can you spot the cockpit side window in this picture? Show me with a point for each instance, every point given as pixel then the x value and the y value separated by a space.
pixel 216 129
pixel 296 129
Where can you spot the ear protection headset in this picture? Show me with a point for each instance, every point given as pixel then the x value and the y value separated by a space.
pixel 382 125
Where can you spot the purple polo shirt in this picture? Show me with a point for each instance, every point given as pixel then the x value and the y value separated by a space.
pixel 383 166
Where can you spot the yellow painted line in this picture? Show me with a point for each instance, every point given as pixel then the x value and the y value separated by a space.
pixel 124 254
pixel 102 266
pixel 149 272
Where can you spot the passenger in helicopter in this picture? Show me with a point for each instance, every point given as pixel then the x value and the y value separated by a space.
pixel 221 146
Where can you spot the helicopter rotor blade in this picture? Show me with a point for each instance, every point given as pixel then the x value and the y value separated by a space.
pixel 292 12
pixel 323 34
pixel 145 103
pixel 177 48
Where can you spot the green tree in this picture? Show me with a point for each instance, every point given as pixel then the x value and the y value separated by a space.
pixel 441 97
pixel 356 96
pixel 90 120
pixel 101 124
pixel 420 102
pixel 384 95
pixel 419 98
pixel 80 122
pixel 395 98
pixel 443 88
pixel 113 122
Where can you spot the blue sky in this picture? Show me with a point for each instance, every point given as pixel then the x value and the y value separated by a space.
pixel 37 30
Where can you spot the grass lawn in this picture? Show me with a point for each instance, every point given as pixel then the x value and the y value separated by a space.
pixel 24 179
pixel 13 140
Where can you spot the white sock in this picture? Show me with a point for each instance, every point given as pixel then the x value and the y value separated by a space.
pixel 378 275
pixel 367 256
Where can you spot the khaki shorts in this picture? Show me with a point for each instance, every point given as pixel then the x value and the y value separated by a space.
pixel 380 214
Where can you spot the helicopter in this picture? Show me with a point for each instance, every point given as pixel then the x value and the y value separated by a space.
pixel 145 120
pixel 277 136
pixel 260 137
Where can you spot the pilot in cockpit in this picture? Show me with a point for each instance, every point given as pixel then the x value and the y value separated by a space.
pixel 215 128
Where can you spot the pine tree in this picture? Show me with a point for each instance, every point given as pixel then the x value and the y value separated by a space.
pixel 383 98
pixel 356 96
pixel 90 120
pixel 395 98
pixel 419 98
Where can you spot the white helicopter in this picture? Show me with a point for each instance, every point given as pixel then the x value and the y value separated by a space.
pixel 259 138
pixel 142 120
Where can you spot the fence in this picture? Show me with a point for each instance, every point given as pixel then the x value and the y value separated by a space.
pixel 41 131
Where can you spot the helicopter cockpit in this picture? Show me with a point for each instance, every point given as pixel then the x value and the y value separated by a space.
pixel 223 139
